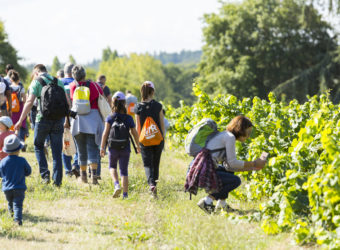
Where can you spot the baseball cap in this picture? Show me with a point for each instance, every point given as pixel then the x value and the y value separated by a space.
pixel 150 84
pixel 7 121
pixel 119 95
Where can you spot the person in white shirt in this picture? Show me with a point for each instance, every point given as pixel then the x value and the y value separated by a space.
pixel 238 129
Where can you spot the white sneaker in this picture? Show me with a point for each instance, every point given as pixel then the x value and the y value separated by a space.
pixel 116 192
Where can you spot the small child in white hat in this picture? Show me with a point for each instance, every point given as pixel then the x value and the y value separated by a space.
pixel 13 170
pixel 5 124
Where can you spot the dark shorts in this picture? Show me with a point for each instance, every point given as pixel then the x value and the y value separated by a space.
pixel 123 156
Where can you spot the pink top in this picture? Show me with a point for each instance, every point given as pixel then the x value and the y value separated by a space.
pixel 95 89
pixel 3 135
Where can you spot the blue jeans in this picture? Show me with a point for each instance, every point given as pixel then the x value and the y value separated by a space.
pixel 53 129
pixel 75 160
pixel 98 167
pixel 33 115
pixel 22 134
pixel 88 150
pixel 67 163
pixel 15 198
pixel 229 183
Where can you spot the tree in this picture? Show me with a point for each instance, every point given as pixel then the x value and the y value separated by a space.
pixel 181 80
pixel 8 54
pixel 72 60
pixel 252 47
pixel 107 54
pixel 56 65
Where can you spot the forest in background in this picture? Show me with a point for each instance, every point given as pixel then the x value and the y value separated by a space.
pixel 249 49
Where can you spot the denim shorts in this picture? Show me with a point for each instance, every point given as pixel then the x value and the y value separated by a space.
pixel 88 150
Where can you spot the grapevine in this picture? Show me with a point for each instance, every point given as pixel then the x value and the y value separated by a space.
pixel 300 184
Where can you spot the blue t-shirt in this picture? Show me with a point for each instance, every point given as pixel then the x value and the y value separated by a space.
pixel 127 120
pixel 66 81
pixel 13 170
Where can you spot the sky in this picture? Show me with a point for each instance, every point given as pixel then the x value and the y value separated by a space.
pixel 42 29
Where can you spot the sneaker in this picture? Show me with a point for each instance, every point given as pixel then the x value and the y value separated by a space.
pixel 94 180
pixel 125 196
pixel 153 191
pixel 19 223
pixel 75 172
pixel 116 192
pixel 24 148
pixel 225 208
pixel 83 177
pixel 46 180
pixel 69 174
pixel 208 208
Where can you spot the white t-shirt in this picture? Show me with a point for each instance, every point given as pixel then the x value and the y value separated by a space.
pixel 225 140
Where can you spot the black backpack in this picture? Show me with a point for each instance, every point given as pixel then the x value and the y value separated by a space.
pixel 119 135
pixel 53 102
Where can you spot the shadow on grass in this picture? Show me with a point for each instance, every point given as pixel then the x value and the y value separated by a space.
pixel 36 219
pixel 245 212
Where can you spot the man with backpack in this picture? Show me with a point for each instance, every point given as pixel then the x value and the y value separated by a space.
pixel 53 106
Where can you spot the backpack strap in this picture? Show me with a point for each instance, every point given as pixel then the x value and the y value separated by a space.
pixel 88 82
pixel 41 81
pixel 55 80
pixel 216 150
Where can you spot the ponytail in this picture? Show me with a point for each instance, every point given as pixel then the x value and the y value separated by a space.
pixel 119 106
pixel 146 90
pixel 13 75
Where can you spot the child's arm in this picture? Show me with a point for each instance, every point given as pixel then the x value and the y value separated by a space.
pixel 104 138
pixel 28 169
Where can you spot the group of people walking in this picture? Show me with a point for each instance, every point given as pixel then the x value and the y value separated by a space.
pixel 90 130
pixel 73 102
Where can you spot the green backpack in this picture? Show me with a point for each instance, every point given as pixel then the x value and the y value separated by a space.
pixel 199 136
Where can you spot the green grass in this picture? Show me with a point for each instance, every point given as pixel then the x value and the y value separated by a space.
pixel 82 216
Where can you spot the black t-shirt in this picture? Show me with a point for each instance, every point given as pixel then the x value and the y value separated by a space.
pixel 152 109
pixel 106 90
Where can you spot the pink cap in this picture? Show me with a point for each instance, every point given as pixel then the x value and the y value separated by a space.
pixel 119 95
pixel 150 84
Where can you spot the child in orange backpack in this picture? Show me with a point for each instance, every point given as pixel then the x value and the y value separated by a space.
pixel 150 126
pixel 18 101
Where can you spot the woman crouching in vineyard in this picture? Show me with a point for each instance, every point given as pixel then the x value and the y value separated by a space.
pixel 239 129
pixel 150 126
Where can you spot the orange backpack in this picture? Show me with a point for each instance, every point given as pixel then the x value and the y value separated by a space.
pixel 150 134
pixel 131 109
pixel 15 102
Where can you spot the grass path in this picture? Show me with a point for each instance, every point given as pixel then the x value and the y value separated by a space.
pixel 82 216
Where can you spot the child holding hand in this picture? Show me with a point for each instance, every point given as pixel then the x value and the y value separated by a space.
pixel 13 170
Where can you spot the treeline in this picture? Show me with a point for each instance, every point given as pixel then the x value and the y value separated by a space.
pixel 250 48
pixel 173 82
